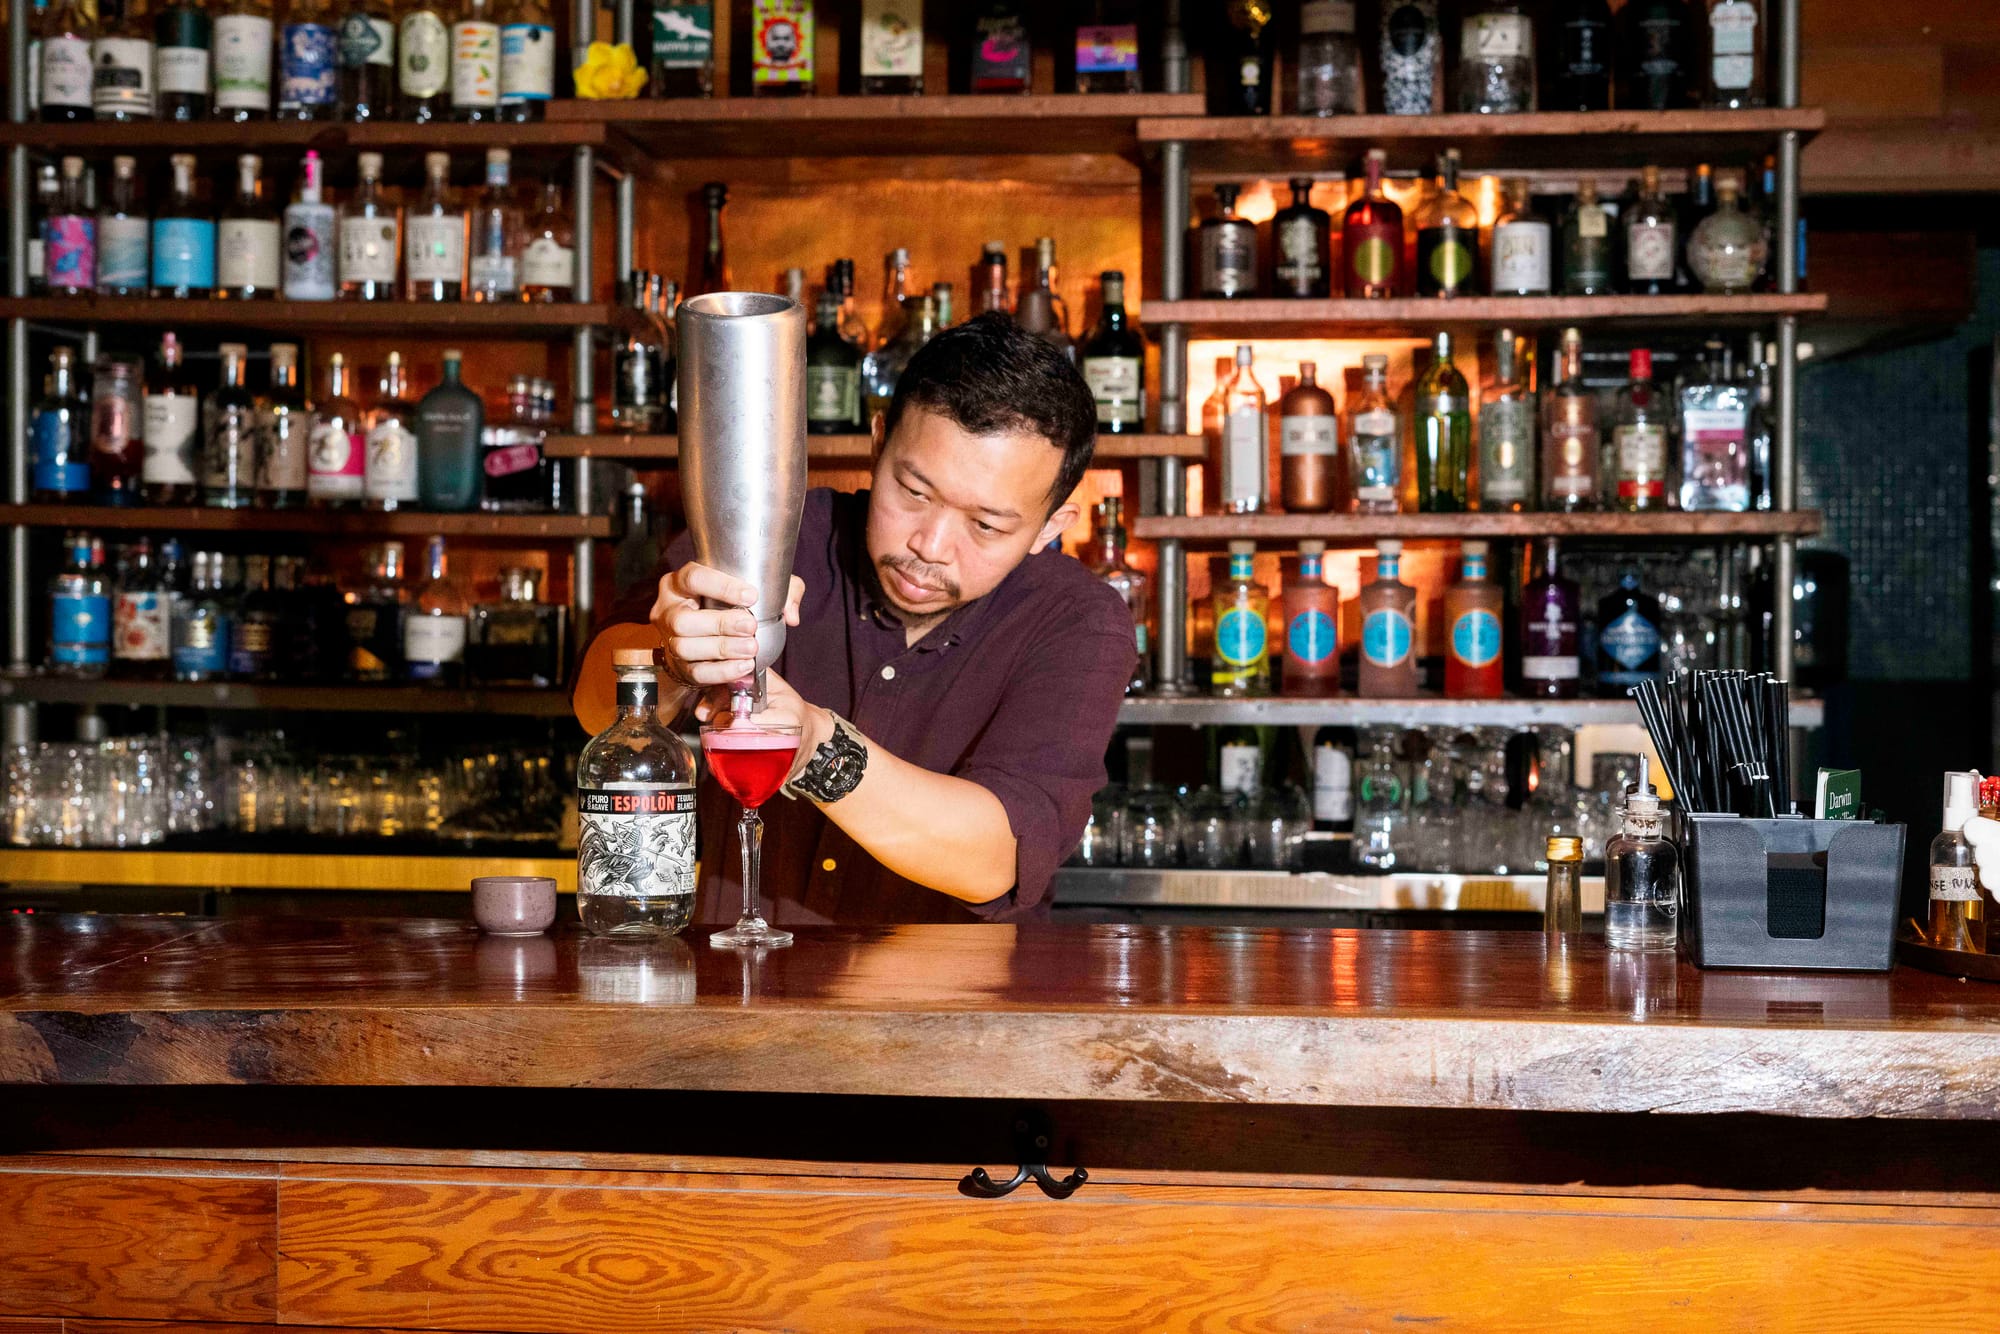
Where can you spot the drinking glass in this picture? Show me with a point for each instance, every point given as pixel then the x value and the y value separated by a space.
pixel 20 821
pixel 1151 834
pixel 750 761
pixel 1212 835
pixel 1280 818
pixel 1104 836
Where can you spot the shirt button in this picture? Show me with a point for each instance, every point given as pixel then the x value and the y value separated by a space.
pixel 826 865
pixel 888 673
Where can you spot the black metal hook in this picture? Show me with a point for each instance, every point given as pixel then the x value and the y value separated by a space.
pixel 1032 1136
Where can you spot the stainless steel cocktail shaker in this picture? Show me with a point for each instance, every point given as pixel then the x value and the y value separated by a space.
pixel 743 445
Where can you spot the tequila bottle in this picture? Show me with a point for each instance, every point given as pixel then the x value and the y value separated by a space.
pixel 1727 249
pixel 635 852
pixel 519 640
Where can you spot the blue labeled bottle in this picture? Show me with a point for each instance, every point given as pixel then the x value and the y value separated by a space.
pixel 183 238
pixel 59 434
pixel 201 625
pixel 80 611
pixel 1242 649
pixel 1473 608
pixel 1629 643
pixel 1388 629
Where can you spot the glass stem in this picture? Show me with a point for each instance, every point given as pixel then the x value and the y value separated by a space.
pixel 750 835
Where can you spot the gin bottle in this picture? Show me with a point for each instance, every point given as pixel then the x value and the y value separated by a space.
pixel 367 51
pixel 1639 441
pixel 683 63
pixel 308 62
pixel 201 623
pixel 1412 55
pixel 1447 228
pixel 527 60
pixel 389 472
pixel 181 58
pixel 449 420
pixel 335 469
pixel 1715 436
pixel 1388 629
pixel 242 60
pixel 80 611
pixel 123 264
pixel 64 31
pixel 371 242
pixel 423 62
pixel 548 261
pixel 1327 60
pixel 1375 441
pixel 170 414
pixel 434 630
pixel 1228 249
pixel 496 235
pixel 121 79
pixel 309 239
pixel 1628 637
pixel 1444 434
pixel 284 431
pixel 475 63
pixel 636 826
pixel 1241 457
pixel 183 238
pixel 248 240
pixel 434 237
pixel 229 436
pixel 1242 650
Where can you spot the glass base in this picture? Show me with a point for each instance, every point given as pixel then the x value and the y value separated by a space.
pixel 751 933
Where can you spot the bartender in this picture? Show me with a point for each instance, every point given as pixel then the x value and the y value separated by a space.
pixel 956 677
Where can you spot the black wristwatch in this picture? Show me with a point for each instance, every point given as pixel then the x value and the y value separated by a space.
pixel 835 768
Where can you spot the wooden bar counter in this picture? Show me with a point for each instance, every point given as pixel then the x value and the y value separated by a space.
pixel 403 1125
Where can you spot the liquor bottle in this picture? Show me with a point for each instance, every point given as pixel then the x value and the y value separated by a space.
pixel 65 31
pixel 940 298
pixel 1372 237
pixel 1657 43
pixel 1106 560
pixel 1113 361
pixel 242 60
pixel 683 60
pixel 116 411
pixel 998 50
pixel 182 40
pixel 1239 761
pixel 434 260
pixel 366 47
pixel 80 611
pixel 510 457
pixel 1447 236
pixel 1735 66
pixel 635 790
pixel 1388 629
pixel 1443 434
pixel 434 629
pixel 833 375
pixel 308 268
pixel 1412 56
pixel 714 261
pixel 1312 628
pixel 1570 439
pixel 495 266
pixel 248 240
pixel 881 369
pixel 389 467
pixel 423 62
pixel 171 425
pixel 638 380
pixel 1584 58
pixel 308 62
pixel 1496 59
pixel 1726 250
pixel 199 638
pixel 336 467
pixel 284 434
pixel 1699 205
pixel 475 62
pixel 183 238
pixel 1506 433
pixel 1240 53
pixel 1333 779
pixel 527 60
pixel 48 188
pixel 990 285
pixel 1628 637
pixel 1240 456
pixel 121 77
pixel 124 263
pixel 891 47
pixel 1586 240
pixel 141 617
pixel 1381 822
pixel 1045 283
pixel 1473 610
pixel 1375 441
pixel 1308 446
pixel 1651 243
pixel 519 640
pixel 449 419
pixel 781 48
pixel 1107 47
pixel 56 431
pixel 1228 247
pixel 1327 60
pixel 1242 652
pixel 1301 234
pixel 1958 909
pixel 1550 668
pixel 548 261
pixel 69 236
pixel 1763 428
pixel 1641 867
pixel 1715 435
pixel 1639 440
pixel 1522 246
pixel 255 629
pixel 374 621
pixel 371 240
pixel 229 436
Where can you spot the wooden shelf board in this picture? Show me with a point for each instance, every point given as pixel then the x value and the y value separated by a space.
pixel 845 449
pixel 1419 711
pixel 1361 529
pixel 313 522
pixel 1421 316
pixel 513 702
pixel 515 319
pixel 323 136
pixel 396 873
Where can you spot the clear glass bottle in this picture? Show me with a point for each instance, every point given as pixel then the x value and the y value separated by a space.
pixel 1327 60
pixel 1371 238
pixel 1958 910
pixel 1715 432
pixel 527 60
pixel 336 466
pixel 1735 69
pixel 229 436
pixel 449 420
pixel 80 611
pixel 1586 241
pixel 121 79
pixel 434 238
pixel 1241 456
pixel 1641 877
pixel 638 382
pixel 1375 441
pixel 434 628
pixel 1496 59
pixel 475 62
pixel 59 434
pixel 1302 236
pixel 1228 246
pixel 171 414
pixel 548 261
pixel 1652 245
pixel 1312 627
pixel 1113 361
pixel 366 47
pixel 881 370
pixel 1388 668
pixel 1443 434
pixel 1447 228
pixel 496 236
pixel 249 241
pixel 64 32
pixel 1412 58
pixel 389 470
pixel 781 48
pixel 183 238
pixel 1507 433
pixel 1727 249
pixel 1381 821
pixel 833 375
pixel 519 640
pixel 310 244
pixel 69 236
pixel 1242 664
pixel 1562 902
pixel 1570 439
pixel 683 63
pixel 423 61
pixel 124 261
pixel 142 617
pixel 243 45
pixel 371 240
pixel 635 797
pixel 1639 440
pixel 183 52
pixel 308 62
pixel 201 623
pixel 284 434
pixel 1106 560
pixel 1521 246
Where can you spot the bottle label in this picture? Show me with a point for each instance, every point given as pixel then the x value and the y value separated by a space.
pixel 66 76
pixel 366 40
pixel 1111 48
pixel 1714 449
pixel 1298 252
pixel 475 64
pixel 1650 251
pixel 1733 44
pixel 436 247
pixel 1592 223
pixel 80 630
pixel 1386 636
pixel 1410 58
pixel 183 253
pixel 833 394
pixel 182 69
pixel 1299 436
pixel 1114 382
pixel 139 623
pixel 201 644
pixel 246 253
pixel 1229 258
pixel 1521 257
pixel 1378 456
pixel 1311 638
pixel 1445 254
pixel 306 67
pixel 1239 636
pixel 1719 261
pixel 892 39
pixel 1374 253
pixel 335 463
pixel 69 251
pixel 1475 638
pixel 1498 36
pixel 1538 667
pixel 170 422
pixel 243 62
pixel 683 36
pixel 368 250
pixel 1243 446
pixel 1324 16
pixel 781 41
pixel 121 79
pixel 547 262
pixel 1000 52
pixel 1506 433
pixel 121 252
pixel 527 63
pixel 508 459
pixel 1954 884
pixel 250 644
pixel 1642 461
pixel 1630 640
pixel 309 252
pixel 390 470
pixel 431 642
pixel 1573 450
pixel 59 464
pixel 1587 50
pixel 495 273
pixel 425 62
pixel 229 450
pixel 283 454
pixel 635 841
pixel 1333 785
pixel 1238 767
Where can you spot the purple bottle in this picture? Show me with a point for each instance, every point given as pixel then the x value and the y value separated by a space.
pixel 1550 666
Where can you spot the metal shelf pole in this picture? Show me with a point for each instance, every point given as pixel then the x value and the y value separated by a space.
pixel 583 389
pixel 18 725
pixel 1785 448
pixel 625 191
pixel 1170 652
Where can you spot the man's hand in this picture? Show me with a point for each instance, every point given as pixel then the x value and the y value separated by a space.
pixel 709 647
pixel 782 705
pixel 1984 835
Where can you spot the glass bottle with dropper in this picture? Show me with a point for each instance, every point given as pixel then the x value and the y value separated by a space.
pixel 1641 876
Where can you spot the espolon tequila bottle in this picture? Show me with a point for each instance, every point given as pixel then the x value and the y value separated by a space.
pixel 635 850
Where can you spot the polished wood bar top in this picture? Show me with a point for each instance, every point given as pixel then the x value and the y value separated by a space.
pixel 1456 1019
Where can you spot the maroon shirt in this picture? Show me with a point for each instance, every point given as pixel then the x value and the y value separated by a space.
pixel 1017 692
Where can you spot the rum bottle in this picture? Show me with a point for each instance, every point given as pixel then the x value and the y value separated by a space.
pixel 170 414
pixel 1308 446
pixel 248 241
pixel 1639 441
pixel 1113 361
pixel 423 61
pixel 242 60
pixel 371 242
pixel 335 468
pixel 1242 653
pixel 1375 441
pixel 1443 434
pixel 308 62
pixel 449 420
pixel 1447 236
pixel 1228 247
pixel 308 267
pixel 182 44
pixel 636 823
pixel 1312 627
pixel 683 60
pixel 475 63
pixel 1473 609
pixel 1506 433
pixel 1372 238
pixel 1302 237
pixel 1570 440
pixel 389 467
pixel 284 434
pixel 1550 667
pixel 183 238
pixel 527 60
pixel 781 48
pixel 1388 668
pixel 434 237
pixel 229 436
pixel 366 47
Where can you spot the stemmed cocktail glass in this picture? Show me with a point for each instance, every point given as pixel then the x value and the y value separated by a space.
pixel 750 759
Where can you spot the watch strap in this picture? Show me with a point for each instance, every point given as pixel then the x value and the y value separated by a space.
pixel 835 768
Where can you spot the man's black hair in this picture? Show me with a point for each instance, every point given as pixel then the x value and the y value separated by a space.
pixel 990 376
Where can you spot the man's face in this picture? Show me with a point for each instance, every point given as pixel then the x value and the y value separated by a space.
pixel 953 512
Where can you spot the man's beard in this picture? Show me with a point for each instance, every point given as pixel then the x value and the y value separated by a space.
pixel 926 576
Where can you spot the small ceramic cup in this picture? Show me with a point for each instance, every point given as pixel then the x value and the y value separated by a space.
pixel 514 905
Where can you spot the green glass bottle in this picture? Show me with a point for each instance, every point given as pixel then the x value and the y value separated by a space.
pixel 1444 435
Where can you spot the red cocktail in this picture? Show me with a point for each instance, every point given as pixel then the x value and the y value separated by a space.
pixel 751 761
